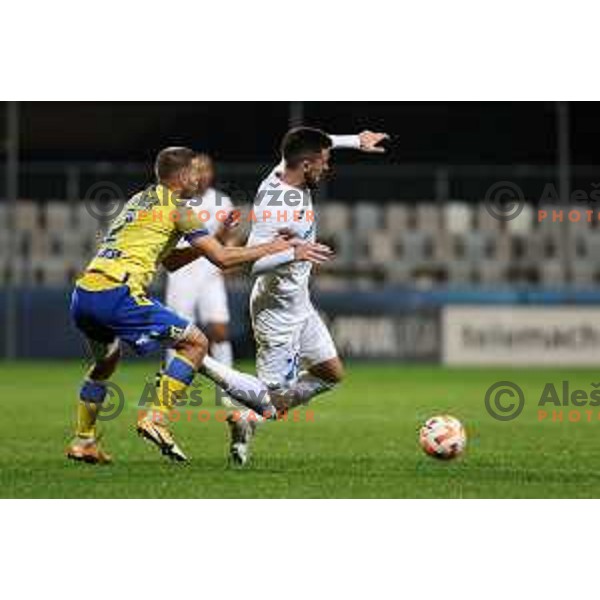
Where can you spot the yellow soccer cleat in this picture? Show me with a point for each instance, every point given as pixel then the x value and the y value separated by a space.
pixel 161 437
pixel 87 450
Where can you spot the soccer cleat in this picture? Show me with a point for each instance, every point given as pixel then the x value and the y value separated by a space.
pixel 242 432
pixel 161 437
pixel 87 450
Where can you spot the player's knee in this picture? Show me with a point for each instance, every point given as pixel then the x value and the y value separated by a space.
pixel 335 376
pixel 194 346
pixel 339 374
pixel 332 371
pixel 218 332
pixel 105 367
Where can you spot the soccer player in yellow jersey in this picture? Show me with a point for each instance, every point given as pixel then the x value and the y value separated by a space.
pixel 110 303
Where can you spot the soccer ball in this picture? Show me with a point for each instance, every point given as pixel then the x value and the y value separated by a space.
pixel 443 437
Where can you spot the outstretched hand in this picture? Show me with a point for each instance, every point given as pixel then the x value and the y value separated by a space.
pixel 369 141
pixel 312 252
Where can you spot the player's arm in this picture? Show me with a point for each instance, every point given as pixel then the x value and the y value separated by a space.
pixel 228 229
pixel 267 258
pixel 312 252
pixel 180 257
pixel 226 257
pixel 366 141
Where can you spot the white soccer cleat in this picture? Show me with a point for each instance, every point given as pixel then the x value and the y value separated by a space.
pixel 241 431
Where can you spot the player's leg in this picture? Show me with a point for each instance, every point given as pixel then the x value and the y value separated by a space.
pixel 324 368
pixel 181 296
pixel 92 395
pixel 277 365
pixel 87 314
pixel 149 325
pixel 220 344
pixel 188 349
pixel 212 305
pixel 277 361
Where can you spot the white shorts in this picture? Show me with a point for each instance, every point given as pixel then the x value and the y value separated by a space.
pixel 197 292
pixel 282 351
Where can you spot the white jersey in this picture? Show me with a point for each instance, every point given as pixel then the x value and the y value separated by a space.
pixel 212 207
pixel 289 332
pixel 197 290
pixel 280 206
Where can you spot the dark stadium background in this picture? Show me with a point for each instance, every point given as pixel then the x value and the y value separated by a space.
pixel 440 152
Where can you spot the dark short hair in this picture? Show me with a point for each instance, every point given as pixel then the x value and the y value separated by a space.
pixel 303 142
pixel 171 160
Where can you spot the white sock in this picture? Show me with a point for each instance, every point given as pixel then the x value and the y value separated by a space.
pixel 246 389
pixel 307 387
pixel 222 352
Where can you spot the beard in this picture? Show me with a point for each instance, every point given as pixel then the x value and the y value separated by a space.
pixel 312 183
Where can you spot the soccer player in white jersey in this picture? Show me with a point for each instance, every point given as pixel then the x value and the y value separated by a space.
pixel 296 356
pixel 197 291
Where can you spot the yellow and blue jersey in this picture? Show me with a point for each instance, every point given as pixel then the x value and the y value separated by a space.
pixel 139 238
pixel 110 300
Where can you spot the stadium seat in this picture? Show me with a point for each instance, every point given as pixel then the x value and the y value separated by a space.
pixel 366 217
pixel 398 273
pixel 84 220
pixel 457 217
pixel 40 246
pixel 583 274
pixel 379 248
pixel 342 242
pixel 27 216
pixel 428 216
pixel 5 248
pixel 577 219
pixel 491 272
pixel 460 273
pixel 58 215
pixel 75 243
pixel 327 282
pixel 523 223
pixel 584 246
pixel 414 247
pixel 484 220
pixel 334 217
pixel 16 270
pixel 396 217
pixel 552 243
pixel 552 273
pixel 51 272
pixel 479 246
pixel 444 246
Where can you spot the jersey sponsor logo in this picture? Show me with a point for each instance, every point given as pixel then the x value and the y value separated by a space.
pixel 109 253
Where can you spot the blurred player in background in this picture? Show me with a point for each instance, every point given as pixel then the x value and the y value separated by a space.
pixel 296 356
pixel 110 304
pixel 197 291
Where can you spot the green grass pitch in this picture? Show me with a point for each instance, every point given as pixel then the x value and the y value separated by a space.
pixel 362 443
